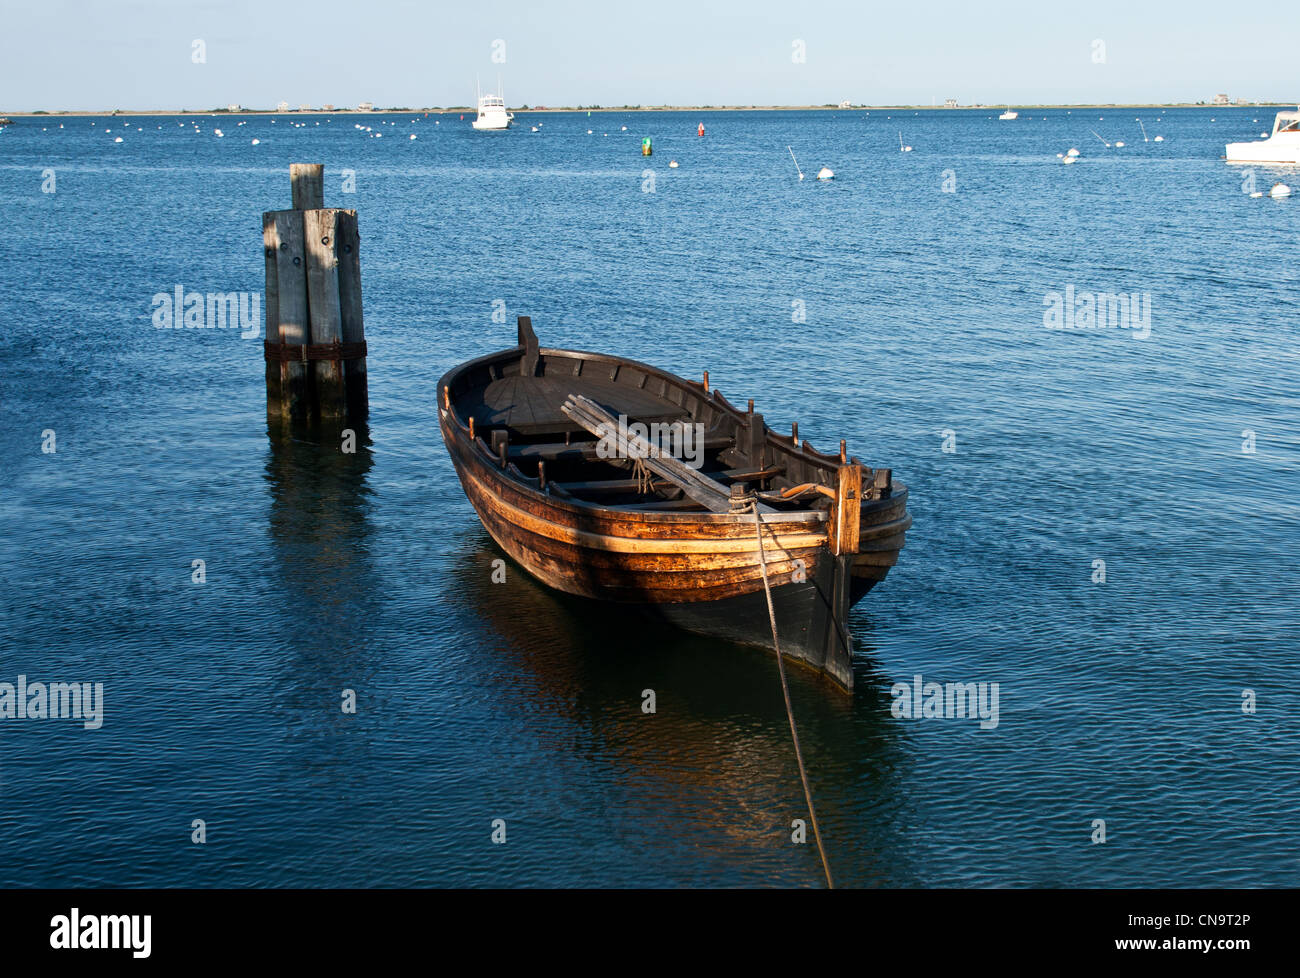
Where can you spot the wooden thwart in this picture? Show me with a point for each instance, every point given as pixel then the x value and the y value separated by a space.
pixel 628 485
pixel 607 485
pixel 586 450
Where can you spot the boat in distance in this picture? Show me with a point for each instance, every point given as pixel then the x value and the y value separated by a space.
pixel 573 462
pixel 1281 146
pixel 492 112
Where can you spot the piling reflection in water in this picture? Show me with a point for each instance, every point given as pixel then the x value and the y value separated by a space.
pixel 714 764
pixel 320 541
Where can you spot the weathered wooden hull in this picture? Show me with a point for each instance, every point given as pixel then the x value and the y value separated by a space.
pixel 699 570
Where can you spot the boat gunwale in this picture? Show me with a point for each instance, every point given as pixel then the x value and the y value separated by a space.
pixel 782 443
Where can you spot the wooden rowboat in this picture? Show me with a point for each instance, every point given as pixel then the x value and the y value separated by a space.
pixel 612 512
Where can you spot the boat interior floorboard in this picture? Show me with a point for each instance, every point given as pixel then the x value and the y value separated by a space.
pixel 531 405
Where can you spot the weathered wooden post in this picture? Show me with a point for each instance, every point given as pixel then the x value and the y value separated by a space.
pixel 846 514
pixel 315 336
pixel 323 300
pixel 274 407
pixel 283 232
pixel 307 186
pixel 348 238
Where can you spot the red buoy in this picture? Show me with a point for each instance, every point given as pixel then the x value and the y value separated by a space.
pixel 701 129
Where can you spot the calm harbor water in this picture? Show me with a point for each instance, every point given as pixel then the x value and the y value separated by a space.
pixel 923 323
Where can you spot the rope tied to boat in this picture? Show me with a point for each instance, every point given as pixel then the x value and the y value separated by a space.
pixel 644 477
pixel 752 503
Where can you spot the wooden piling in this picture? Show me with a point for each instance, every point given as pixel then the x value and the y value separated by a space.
pixel 319 228
pixel 291 302
pixel 354 331
pixel 274 408
pixel 315 335
pixel 307 181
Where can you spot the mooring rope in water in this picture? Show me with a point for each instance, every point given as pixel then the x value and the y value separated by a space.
pixel 785 689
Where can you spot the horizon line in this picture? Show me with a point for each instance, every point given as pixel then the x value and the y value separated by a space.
pixel 449 109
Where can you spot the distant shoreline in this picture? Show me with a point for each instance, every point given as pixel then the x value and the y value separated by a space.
pixel 455 110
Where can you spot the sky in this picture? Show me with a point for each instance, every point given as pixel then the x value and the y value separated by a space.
pixel 141 54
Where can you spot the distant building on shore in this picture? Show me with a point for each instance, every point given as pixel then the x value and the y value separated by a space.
pixel 282 107
pixel 950 103
pixel 1222 100
pixel 366 107
pixel 234 107
pixel 846 104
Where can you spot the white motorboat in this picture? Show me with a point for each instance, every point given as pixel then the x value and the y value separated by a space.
pixel 492 112
pixel 1283 146
pixel 1009 114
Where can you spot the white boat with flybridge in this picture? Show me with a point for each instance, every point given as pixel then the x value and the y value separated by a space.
pixel 1281 146
pixel 492 112
pixel 1009 114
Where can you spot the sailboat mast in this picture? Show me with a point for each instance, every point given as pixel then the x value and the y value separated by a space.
pixel 796 163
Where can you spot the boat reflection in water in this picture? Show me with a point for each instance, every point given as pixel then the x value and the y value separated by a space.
pixel 715 758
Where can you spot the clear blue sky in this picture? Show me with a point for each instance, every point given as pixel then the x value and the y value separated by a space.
pixel 136 54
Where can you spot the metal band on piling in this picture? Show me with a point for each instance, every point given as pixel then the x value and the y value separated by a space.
pixel 286 352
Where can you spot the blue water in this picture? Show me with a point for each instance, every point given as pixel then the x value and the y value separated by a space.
pixel 924 312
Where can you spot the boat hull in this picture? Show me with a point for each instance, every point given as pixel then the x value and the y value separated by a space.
pixel 698 571
pixel 1269 151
